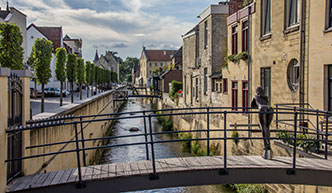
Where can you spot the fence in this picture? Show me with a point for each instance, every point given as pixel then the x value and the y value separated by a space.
pixel 148 136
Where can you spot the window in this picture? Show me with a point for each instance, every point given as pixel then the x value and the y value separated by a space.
pixel 293 74
pixel 225 85
pixel 329 14
pixel 196 89
pixel 234 95
pixel 205 81
pixel 266 17
pixel 161 64
pixel 205 34
pixel 292 12
pixel 245 36
pixel 217 85
pixel 266 81
pixel 234 39
pixel 150 72
pixel 156 64
pixel 245 87
pixel 150 64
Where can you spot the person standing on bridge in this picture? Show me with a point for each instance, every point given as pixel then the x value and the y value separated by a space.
pixel 261 101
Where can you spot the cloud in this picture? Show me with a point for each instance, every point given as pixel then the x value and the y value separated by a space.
pixel 121 25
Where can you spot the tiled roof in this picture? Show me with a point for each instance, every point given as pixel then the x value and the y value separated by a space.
pixel 159 55
pixel 54 34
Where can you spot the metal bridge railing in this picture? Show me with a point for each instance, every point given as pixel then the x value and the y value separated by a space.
pixel 148 136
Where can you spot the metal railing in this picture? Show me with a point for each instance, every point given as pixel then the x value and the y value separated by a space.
pixel 149 141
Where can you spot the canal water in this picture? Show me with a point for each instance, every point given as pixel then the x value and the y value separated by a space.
pixel 136 153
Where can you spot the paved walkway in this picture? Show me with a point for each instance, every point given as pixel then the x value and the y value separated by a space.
pixel 174 172
pixel 54 102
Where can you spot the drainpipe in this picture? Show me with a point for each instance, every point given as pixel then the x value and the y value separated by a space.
pixel 302 57
pixel 249 70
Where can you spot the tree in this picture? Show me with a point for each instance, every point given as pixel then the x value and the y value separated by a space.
pixel 87 76
pixel 71 73
pixel 60 69
pixel 80 74
pixel 11 50
pixel 42 56
pixel 92 77
pixel 127 66
pixel 31 64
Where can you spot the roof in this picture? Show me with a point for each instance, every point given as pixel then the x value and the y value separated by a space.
pixel 159 55
pixel 96 56
pixel 4 14
pixel 191 32
pixel 54 34
pixel 216 75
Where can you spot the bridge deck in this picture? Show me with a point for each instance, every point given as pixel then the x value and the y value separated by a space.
pixel 178 172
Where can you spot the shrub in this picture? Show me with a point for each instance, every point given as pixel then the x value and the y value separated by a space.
pixel 167 125
pixel 249 188
pixel 175 87
pixel 186 145
pixel 235 135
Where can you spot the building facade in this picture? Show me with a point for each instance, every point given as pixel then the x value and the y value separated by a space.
pixel 109 62
pixel 151 60
pixel 204 50
pixel 73 46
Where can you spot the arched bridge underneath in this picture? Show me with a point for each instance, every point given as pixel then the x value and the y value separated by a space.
pixel 175 172
pixel 154 173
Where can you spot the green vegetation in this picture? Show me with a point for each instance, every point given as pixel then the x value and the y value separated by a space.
pixel 175 87
pixel 92 77
pixel 42 55
pixel 247 188
pixel 302 141
pixel 60 68
pixel 186 145
pixel 235 135
pixel 126 68
pixel 80 79
pixel 11 50
pixel 71 73
pixel 165 122
pixel 88 76
pixel 235 58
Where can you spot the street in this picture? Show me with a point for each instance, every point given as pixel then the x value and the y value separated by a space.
pixel 54 102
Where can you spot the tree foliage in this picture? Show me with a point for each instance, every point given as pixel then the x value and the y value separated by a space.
pixel 42 56
pixel 71 67
pixel 127 66
pixel 60 62
pixel 11 50
pixel 80 71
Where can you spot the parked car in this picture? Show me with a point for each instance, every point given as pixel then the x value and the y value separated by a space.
pixel 34 93
pixel 55 92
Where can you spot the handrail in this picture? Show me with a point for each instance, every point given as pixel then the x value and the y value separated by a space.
pixel 148 135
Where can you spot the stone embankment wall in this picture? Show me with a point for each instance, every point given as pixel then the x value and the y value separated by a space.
pixel 101 104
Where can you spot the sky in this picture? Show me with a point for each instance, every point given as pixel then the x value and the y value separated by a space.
pixel 123 26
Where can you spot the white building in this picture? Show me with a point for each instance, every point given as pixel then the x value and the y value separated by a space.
pixel 54 34
pixel 12 15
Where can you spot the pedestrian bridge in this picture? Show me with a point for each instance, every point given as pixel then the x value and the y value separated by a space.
pixel 155 173
pixel 175 172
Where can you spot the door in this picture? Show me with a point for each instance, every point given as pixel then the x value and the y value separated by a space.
pixel 266 81
pixel 329 81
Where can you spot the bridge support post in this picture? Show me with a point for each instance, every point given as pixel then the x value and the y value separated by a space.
pixel 224 171
pixel 292 171
pixel 83 142
pixel 326 134
pixel 154 175
pixel 80 182
pixel 317 131
pixel 208 130
pixel 146 137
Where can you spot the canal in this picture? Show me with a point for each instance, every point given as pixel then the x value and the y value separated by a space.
pixel 135 153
